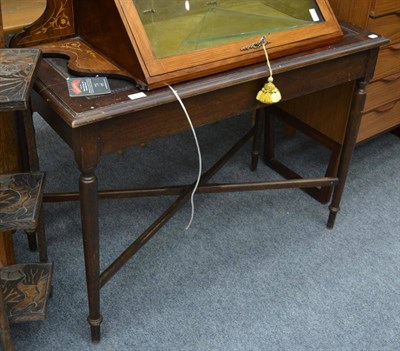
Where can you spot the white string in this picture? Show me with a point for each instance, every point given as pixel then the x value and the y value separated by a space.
pixel 198 152
pixel 268 63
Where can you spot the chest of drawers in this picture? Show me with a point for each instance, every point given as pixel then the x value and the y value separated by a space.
pixel 383 7
pixel 382 109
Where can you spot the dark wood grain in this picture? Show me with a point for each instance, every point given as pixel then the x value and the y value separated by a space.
pixel 93 127
pixel 9 162
pixel 17 69
pixel 56 22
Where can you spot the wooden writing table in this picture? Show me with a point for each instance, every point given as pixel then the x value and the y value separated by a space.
pixel 93 127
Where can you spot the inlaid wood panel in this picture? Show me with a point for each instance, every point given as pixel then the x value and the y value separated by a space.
pixel 57 22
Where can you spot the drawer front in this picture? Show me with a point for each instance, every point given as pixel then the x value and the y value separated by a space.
pixel 388 62
pixel 384 7
pixel 382 91
pixel 388 26
pixel 379 121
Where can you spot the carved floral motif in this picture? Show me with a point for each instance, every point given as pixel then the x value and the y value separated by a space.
pixel 26 289
pixel 18 200
pixel 14 74
pixel 77 46
pixel 57 21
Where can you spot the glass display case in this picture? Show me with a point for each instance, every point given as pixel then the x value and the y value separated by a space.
pixel 157 42
pixel 181 27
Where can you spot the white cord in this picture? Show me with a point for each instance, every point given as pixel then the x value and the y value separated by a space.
pixel 198 152
pixel 268 63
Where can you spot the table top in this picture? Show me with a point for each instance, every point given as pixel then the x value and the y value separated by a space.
pixel 77 112
pixel 17 70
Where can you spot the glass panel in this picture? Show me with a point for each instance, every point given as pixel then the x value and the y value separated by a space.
pixel 177 26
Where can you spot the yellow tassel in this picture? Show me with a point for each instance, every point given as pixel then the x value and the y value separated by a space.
pixel 269 93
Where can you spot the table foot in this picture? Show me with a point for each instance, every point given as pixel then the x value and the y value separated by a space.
pixel 254 163
pixel 95 329
pixel 333 211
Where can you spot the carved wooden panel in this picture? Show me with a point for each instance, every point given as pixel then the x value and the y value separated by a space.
pixel 20 199
pixel 17 69
pixel 56 22
pixel 26 289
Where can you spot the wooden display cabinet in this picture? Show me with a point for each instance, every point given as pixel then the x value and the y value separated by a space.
pixel 156 42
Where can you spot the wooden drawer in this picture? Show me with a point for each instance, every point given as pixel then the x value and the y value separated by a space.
pixel 388 26
pixel 388 61
pixel 384 7
pixel 383 91
pixel 379 120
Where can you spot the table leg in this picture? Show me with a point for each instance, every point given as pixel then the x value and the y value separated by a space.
pixel 257 138
pixel 41 235
pixel 9 163
pixel 7 255
pixel 396 132
pixel 348 147
pixel 29 159
pixel 269 136
pixel 90 232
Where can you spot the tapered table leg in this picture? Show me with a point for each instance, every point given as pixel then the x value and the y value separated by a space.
pixel 41 235
pixel 257 138
pixel 348 148
pixel 90 232
pixel 269 136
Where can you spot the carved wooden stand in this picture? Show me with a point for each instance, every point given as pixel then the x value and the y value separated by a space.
pixel 18 67
pixel 24 288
